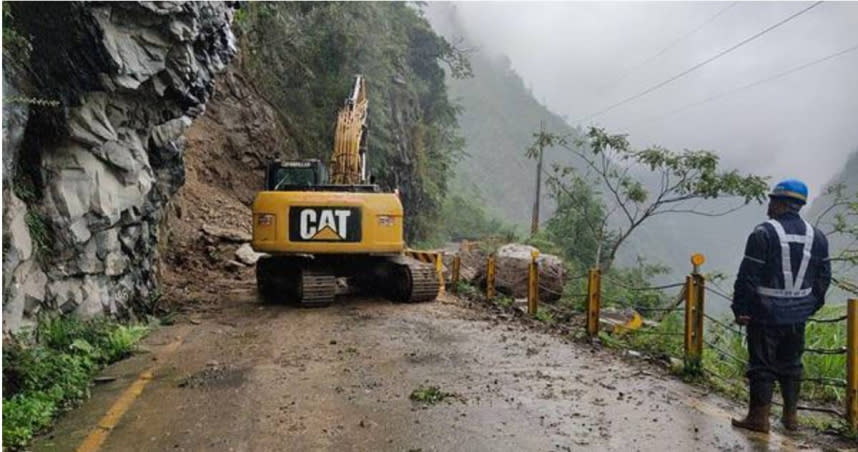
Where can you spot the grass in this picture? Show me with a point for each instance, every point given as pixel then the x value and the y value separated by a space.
pixel 430 395
pixel 503 300
pixel 48 370
pixel 544 316
pixel 725 353
pixel 465 289
pixel 39 231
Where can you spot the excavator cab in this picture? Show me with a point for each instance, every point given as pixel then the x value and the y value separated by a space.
pixel 295 175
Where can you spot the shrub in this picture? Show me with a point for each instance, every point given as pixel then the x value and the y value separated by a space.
pixel 48 370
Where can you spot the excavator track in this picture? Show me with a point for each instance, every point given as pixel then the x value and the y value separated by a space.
pixel 415 281
pixel 317 289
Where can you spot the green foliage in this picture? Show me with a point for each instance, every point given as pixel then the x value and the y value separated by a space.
pixel 572 227
pixel 504 301
pixel 303 57
pixel 544 316
pixel 47 371
pixel 40 232
pixel 429 395
pixel 16 44
pixel 465 289
pixel 464 218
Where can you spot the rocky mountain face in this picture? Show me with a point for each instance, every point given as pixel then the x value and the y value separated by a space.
pixel 87 175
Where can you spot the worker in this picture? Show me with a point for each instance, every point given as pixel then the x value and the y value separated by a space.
pixel 782 281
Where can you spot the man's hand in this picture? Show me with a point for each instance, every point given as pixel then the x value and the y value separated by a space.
pixel 743 320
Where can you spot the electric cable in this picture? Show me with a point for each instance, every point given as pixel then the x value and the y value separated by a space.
pixel 673 44
pixel 698 65
pixel 748 86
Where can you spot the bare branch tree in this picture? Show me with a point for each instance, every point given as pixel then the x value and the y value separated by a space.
pixel 609 162
pixel 839 221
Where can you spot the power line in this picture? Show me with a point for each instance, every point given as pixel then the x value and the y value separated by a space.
pixel 749 85
pixel 698 65
pixel 673 44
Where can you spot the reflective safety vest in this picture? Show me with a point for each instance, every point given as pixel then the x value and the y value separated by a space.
pixel 793 286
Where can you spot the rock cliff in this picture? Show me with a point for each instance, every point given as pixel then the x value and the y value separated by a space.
pixel 87 175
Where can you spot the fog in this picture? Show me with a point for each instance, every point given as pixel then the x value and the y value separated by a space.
pixel 579 58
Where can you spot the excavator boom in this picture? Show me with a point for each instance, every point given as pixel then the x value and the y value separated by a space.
pixel 348 161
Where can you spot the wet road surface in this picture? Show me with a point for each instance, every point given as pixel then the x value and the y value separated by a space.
pixel 252 377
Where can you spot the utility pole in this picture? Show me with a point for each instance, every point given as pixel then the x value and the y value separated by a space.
pixel 534 225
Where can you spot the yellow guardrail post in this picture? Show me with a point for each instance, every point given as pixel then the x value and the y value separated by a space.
pixel 533 284
pixel 852 363
pixel 694 297
pixel 594 299
pixel 439 268
pixel 490 277
pixel 454 272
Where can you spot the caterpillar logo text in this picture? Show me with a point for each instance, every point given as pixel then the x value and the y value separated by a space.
pixel 324 224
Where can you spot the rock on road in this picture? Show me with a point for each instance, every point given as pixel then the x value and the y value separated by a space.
pixel 252 377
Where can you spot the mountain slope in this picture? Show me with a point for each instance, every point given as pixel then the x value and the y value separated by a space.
pixel 499 116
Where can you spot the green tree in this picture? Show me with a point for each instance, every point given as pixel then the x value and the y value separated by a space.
pixel 608 162
pixel 572 227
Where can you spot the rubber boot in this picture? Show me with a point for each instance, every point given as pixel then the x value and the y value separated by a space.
pixel 790 390
pixel 759 407
pixel 756 420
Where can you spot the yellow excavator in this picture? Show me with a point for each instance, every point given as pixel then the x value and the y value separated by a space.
pixel 314 228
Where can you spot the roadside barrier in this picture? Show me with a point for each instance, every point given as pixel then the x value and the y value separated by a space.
pixel 533 284
pixel 594 300
pixel 490 277
pixel 691 300
pixel 852 364
pixel 454 273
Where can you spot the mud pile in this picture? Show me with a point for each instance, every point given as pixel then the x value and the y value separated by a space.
pixel 209 218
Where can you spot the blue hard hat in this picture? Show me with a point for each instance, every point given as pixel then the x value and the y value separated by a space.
pixel 792 189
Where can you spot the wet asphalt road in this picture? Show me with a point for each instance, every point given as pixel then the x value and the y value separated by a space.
pixel 249 377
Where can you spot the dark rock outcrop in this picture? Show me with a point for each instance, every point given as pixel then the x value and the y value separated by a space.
pixel 87 181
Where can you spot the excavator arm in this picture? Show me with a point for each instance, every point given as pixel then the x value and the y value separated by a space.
pixel 348 161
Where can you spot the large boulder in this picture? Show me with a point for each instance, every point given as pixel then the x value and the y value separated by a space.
pixel 511 270
pixel 512 265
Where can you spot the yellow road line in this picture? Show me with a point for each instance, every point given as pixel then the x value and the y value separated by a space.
pixel 98 436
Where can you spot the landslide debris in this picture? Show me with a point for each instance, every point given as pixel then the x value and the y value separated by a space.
pixel 208 253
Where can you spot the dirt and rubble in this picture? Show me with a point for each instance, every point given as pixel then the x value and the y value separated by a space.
pixel 248 376
pixel 208 221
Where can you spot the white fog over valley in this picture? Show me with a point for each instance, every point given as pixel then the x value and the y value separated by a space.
pixel 579 58
pixel 773 106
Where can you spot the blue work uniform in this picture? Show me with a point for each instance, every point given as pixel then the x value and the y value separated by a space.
pixel 782 281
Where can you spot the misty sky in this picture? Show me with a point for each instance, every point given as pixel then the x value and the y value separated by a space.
pixel 579 58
